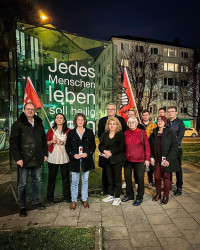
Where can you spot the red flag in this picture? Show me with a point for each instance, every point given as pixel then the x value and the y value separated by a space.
pixel 127 98
pixel 30 95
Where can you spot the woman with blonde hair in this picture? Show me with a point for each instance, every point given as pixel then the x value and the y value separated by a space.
pixel 112 151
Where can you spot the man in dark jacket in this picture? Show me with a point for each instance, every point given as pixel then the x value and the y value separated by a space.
pixel 29 149
pixel 178 127
pixel 111 111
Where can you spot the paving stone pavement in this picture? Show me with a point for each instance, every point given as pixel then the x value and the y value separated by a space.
pixel 149 226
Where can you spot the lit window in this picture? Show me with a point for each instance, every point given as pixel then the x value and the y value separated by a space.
pixel 171 67
pixel 125 62
pixel 170 52
pixel 184 68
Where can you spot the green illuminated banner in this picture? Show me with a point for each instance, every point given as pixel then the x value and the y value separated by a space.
pixel 62 69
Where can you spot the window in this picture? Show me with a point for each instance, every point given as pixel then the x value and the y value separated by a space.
pixel 139 48
pixel 184 110
pixel 139 64
pixel 108 67
pixel 154 66
pixel 171 67
pixel 168 81
pixel 125 62
pixel 184 83
pixel 169 52
pixel 125 47
pixel 154 51
pixel 184 54
pixel 184 68
pixel 169 96
pixel 140 79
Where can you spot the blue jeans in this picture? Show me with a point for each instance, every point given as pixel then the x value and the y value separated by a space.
pixel 23 177
pixel 75 183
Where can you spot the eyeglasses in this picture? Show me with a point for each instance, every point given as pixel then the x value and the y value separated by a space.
pixel 110 109
pixel 129 123
pixel 171 111
pixel 32 110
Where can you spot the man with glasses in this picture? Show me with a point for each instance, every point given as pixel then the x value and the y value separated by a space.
pixel 111 111
pixel 29 149
pixel 178 127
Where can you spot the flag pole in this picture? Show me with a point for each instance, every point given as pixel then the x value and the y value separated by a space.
pixel 132 95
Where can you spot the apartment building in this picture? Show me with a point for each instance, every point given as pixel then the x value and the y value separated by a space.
pixel 174 61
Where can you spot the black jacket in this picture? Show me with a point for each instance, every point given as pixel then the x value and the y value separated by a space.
pixel 72 147
pixel 178 127
pixel 28 143
pixel 102 124
pixel 116 145
pixel 169 148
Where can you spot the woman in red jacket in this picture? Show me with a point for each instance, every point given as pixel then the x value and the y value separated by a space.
pixel 137 154
pixel 57 156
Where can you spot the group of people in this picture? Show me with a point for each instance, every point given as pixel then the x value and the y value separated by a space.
pixel 132 145
pixel 140 147
pixel 71 150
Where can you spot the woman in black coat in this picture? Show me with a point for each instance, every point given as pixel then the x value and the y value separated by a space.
pixel 112 151
pixel 80 147
pixel 164 148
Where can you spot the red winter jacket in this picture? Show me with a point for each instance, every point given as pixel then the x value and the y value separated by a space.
pixel 137 149
pixel 50 137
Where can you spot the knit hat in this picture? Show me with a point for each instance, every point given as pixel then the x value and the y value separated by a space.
pixel 162 118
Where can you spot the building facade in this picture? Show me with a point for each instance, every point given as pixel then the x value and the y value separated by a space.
pixel 174 60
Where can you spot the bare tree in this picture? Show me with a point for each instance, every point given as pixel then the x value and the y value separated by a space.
pixel 144 70
pixel 188 82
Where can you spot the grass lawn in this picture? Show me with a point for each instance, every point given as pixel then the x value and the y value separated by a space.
pixel 49 238
pixel 191 152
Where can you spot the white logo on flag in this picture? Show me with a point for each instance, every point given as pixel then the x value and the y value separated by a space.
pixel 124 99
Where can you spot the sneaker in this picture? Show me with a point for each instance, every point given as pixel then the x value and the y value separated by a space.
pixel 22 212
pixel 123 185
pixel 116 202
pixel 38 206
pixel 108 198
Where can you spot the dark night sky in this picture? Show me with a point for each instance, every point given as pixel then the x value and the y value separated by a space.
pixel 162 20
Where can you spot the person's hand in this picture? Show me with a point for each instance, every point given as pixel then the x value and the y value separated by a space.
pixel 54 140
pixel 45 158
pixel 152 160
pixel 58 141
pixel 165 163
pixel 83 155
pixel 20 163
pixel 107 153
pixel 147 163
pixel 77 156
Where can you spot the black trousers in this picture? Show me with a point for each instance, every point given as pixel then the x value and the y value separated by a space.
pixel 150 174
pixel 114 177
pixel 179 174
pixel 104 180
pixel 53 170
pixel 138 168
